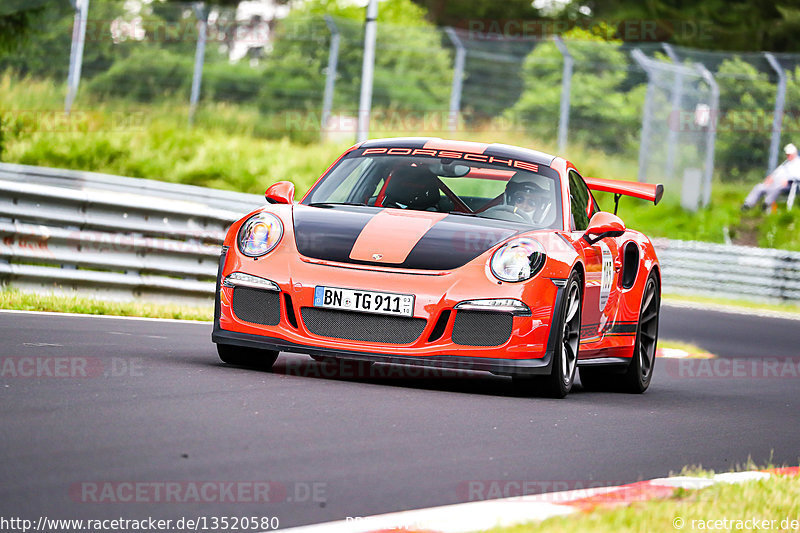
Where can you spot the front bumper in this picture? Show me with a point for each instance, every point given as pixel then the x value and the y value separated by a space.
pixel 508 367
pixel 528 350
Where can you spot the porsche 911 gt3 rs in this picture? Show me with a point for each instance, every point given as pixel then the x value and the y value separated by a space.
pixel 422 251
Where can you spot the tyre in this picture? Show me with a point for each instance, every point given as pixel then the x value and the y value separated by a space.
pixel 635 378
pixel 559 382
pixel 244 356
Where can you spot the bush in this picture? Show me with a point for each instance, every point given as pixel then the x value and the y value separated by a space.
pixel 96 153
pixel 227 82
pixel 147 74
pixel 294 77
pixel 603 113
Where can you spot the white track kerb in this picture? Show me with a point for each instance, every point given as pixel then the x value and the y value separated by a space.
pixel 483 515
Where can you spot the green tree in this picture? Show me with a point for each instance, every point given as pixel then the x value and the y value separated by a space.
pixel 47 55
pixel 708 24
pixel 457 12
pixel 147 74
pixel 745 120
pixel 18 19
pixel 412 69
pixel 604 114
pixel 159 62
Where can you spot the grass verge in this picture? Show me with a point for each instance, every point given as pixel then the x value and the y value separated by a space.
pixel 742 304
pixel 22 301
pixel 722 507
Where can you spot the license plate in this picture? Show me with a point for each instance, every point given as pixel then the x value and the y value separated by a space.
pixel 382 303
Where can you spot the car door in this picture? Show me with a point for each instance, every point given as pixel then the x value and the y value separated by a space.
pixel 600 298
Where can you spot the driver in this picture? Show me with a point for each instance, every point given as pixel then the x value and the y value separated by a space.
pixel 527 197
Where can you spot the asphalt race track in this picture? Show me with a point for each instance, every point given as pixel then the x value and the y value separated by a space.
pixel 101 416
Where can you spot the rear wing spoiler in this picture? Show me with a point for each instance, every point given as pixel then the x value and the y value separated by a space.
pixel 645 191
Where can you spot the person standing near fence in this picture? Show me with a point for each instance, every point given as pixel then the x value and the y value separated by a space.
pixel 779 181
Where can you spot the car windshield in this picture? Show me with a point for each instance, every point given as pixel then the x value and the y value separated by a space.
pixel 496 188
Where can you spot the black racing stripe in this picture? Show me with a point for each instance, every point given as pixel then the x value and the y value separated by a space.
pixel 618 329
pixel 456 240
pixel 623 328
pixel 522 154
pixel 329 233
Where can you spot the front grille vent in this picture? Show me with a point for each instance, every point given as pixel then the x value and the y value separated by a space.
pixel 257 306
pixel 480 328
pixel 362 326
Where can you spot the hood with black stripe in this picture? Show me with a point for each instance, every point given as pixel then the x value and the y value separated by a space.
pixel 418 240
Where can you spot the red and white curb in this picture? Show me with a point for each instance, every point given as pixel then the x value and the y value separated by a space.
pixel 483 515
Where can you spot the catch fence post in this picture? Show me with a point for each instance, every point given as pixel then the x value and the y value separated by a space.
pixel 367 71
pixel 777 116
pixel 330 77
pixel 199 57
pixel 458 78
pixel 566 90
pixel 76 51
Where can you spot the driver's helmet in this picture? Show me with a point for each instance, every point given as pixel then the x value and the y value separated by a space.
pixel 412 187
pixel 525 195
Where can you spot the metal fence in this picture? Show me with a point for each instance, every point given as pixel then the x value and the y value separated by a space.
pixel 117 238
pixel 127 238
pixel 678 133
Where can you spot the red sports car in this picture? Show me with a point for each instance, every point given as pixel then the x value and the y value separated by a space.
pixel 454 254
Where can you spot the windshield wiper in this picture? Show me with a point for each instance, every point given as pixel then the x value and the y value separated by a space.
pixel 465 213
pixel 331 204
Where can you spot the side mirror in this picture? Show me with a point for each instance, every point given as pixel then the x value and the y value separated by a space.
pixel 603 225
pixel 280 193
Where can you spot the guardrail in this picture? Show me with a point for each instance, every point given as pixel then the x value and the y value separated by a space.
pixel 93 181
pixel 124 238
pixel 740 272
pixel 117 237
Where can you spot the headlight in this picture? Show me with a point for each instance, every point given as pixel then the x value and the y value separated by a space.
pixel 260 234
pixel 518 260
